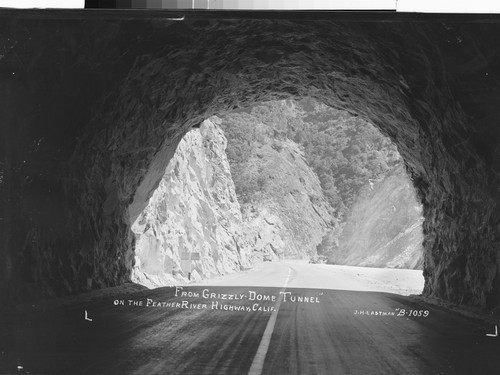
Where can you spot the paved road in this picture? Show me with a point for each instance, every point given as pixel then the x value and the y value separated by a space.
pixel 273 320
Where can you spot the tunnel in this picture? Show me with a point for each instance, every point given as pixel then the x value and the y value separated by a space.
pixel 94 106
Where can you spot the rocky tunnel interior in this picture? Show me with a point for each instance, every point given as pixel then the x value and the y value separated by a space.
pixel 94 106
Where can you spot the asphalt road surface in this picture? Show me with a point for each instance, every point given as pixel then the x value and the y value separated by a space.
pixel 276 319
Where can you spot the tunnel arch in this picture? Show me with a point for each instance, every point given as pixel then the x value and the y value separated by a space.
pixel 398 76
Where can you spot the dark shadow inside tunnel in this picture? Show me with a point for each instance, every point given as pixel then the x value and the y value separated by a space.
pixel 95 109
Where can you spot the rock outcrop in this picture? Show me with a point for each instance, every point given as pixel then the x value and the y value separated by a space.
pixel 193 213
pixel 384 226
pixel 287 215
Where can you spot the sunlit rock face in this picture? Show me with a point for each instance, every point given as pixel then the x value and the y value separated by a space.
pixel 193 210
pixel 384 226
pixel 96 108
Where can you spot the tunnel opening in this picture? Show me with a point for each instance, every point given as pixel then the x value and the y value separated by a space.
pixel 420 83
pixel 406 95
pixel 278 181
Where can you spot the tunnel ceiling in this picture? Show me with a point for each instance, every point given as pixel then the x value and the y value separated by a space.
pixel 94 107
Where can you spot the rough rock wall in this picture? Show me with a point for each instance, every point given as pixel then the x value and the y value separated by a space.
pixel 193 210
pixel 384 226
pixel 94 108
pixel 289 215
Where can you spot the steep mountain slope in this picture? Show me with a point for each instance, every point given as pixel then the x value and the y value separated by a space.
pixel 288 215
pixel 383 228
pixel 338 152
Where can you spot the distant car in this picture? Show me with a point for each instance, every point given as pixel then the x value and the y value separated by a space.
pixel 267 258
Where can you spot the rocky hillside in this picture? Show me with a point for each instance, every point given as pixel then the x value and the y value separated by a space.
pixel 284 209
pixel 239 190
pixel 383 228
pixel 289 215
pixel 193 210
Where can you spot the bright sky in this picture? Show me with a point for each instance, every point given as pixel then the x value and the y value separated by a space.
pixel 437 6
